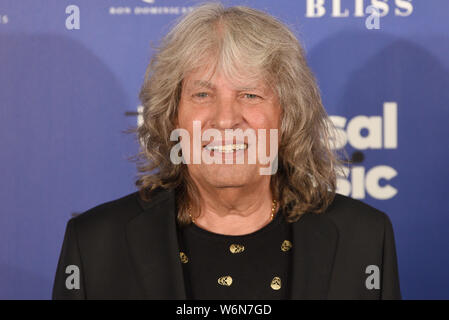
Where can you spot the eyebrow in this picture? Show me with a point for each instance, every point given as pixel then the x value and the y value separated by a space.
pixel 203 84
pixel 210 85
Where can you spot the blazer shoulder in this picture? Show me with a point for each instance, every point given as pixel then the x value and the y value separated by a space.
pixel 118 211
pixel 110 212
pixel 349 213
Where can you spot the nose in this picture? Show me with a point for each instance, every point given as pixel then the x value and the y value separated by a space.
pixel 227 113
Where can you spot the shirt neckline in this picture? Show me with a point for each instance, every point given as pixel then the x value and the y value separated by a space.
pixel 278 218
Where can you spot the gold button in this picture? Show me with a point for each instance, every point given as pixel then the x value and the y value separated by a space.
pixel 236 248
pixel 286 245
pixel 276 283
pixel 183 257
pixel 225 281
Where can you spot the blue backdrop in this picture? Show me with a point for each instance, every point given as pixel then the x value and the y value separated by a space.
pixel 70 72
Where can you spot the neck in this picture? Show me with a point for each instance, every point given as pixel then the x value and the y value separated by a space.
pixel 235 210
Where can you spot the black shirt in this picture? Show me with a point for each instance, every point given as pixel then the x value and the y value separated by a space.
pixel 251 266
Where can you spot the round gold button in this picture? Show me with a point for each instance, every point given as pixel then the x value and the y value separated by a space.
pixel 183 257
pixel 225 281
pixel 276 283
pixel 236 248
pixel 286 245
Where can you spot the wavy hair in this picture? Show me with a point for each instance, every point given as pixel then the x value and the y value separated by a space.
pixel 233 38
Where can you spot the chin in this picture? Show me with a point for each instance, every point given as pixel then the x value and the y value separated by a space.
pixel 228 176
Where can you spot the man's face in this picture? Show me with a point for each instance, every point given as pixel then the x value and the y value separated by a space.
pixel 221 104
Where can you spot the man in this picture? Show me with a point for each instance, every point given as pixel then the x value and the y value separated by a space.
pixel 215 217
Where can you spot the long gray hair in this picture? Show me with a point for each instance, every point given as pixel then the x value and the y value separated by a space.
pixel 237 38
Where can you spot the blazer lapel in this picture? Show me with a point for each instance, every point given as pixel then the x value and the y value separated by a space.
pixel 153 244
pixel 314 246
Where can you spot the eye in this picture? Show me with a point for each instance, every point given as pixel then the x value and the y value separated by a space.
pixel 252 96
pixel 201 95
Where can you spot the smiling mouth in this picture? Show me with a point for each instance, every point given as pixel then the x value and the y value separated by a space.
pixel 227 148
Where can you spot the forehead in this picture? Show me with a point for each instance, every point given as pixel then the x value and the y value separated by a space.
pixel 218 80
pixel 207 78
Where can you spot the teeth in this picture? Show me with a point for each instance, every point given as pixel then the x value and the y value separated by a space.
pixel 227 148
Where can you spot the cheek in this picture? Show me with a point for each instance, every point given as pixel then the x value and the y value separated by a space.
pixel 183 116
pixel 263 119
pixel 188 113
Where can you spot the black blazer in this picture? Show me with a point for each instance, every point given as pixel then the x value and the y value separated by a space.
pixel 128 249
